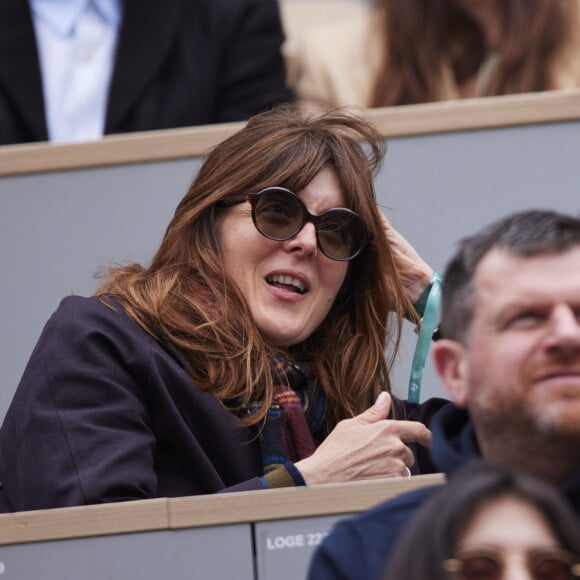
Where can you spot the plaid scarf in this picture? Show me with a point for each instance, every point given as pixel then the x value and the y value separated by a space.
pixel 289 429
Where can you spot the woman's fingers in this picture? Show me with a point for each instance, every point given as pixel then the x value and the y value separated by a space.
pixel 415 273
pixel 412 432
pixel 379 411
pixel 366 446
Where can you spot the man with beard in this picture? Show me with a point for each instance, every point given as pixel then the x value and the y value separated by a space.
pixel 510 360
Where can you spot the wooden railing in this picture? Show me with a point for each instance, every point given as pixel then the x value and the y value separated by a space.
pixel 236 535
pixel 440 117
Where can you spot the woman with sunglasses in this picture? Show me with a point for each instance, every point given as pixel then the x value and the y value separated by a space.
pixel 488 523
pixel 250 352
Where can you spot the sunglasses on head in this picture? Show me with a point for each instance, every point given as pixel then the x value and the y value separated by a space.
pixel 487 563
pixel 280 214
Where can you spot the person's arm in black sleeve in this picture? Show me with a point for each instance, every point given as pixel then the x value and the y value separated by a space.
pixel 78 431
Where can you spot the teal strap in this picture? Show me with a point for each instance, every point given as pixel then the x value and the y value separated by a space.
pixel 419 306
pixel 426 328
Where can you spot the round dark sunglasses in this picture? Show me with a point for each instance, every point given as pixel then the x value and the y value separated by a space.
pixel 487 563
pixel 280 214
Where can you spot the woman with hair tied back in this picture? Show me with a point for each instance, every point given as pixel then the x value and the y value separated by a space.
pixel 249 354
pixel 402 52
pixel 489 523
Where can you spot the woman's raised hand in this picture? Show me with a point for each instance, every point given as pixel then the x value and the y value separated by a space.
pixel 415 273
pixel 367 446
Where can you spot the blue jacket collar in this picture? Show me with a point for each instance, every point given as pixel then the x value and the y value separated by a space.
pixel 453 439
pixel 454 444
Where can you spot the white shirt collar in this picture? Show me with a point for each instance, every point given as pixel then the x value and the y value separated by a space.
pixel 62 15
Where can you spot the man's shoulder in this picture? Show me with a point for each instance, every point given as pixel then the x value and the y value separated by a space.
pixel 357 547
pixel 388 514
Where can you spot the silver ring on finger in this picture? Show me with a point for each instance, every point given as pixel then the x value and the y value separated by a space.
pixel 407 472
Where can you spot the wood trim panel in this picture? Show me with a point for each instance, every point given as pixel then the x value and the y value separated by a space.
pixel 83 521
pixel 275 504
pixel 440 117
pixel 198 511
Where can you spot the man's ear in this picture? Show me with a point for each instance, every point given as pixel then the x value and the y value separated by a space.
pixel 449 357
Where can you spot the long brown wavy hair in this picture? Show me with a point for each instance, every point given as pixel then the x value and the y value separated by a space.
pixel 423 37
pixel 186 297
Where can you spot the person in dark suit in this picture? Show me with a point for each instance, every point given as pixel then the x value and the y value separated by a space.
pixel 177 63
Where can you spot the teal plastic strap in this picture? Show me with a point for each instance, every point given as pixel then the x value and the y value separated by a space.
pixel 426 329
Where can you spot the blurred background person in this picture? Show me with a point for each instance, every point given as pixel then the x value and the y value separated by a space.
pixel 74 70
pixel 489 524
pixel 401 52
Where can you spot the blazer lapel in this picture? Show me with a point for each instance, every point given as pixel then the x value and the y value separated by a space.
pixel 20 75
pixel 147 32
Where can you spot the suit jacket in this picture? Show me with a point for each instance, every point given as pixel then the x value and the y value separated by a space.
pixel 105 413
pixel 178 63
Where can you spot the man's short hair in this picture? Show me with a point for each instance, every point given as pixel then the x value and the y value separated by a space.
pixel 527 233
